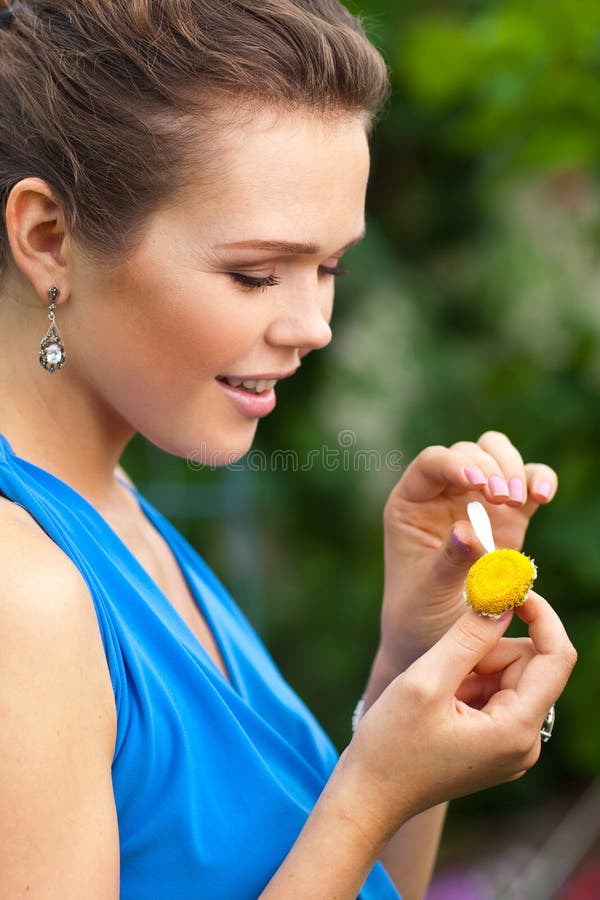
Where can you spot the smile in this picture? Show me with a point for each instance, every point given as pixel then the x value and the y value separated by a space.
pixel 253 387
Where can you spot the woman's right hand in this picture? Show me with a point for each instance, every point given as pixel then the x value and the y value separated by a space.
pixel 465 716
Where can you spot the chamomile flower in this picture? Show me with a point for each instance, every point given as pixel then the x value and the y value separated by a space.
pixel 501 579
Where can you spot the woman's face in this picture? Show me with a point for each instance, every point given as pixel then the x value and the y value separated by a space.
pixel 231 283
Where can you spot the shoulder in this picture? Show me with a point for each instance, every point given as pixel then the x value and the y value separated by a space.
pixel 46 611
pixel 58 722
pixel 29 558
pixel 26 550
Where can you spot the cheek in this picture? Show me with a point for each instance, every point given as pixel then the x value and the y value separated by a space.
pixel 185 322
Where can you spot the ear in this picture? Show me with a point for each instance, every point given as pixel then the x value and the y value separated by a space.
pixel 37 236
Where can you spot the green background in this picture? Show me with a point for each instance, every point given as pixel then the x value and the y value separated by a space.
pixel 472 304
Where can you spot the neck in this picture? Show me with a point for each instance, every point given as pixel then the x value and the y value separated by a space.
pixel 55 420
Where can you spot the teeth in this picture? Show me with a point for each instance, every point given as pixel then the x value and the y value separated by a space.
pixel 256 386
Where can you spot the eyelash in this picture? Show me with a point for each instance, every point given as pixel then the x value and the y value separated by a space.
pixel 260 284
pixel 254 284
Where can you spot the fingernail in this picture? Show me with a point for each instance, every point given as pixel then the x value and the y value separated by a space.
pixel 505 615
pixel 475 475
pixel 498 486
pixel 544 489
pixel 517 490
pixel 458 543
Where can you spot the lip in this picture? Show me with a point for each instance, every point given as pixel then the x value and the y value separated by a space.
pixel 254 406
pixel 270 376
pixel 251 406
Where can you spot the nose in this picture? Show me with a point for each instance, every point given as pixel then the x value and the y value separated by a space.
pixel 302 321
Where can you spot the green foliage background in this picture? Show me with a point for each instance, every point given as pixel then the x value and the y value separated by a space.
pixel 472 304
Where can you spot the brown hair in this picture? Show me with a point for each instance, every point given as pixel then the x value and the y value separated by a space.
pixel 98 95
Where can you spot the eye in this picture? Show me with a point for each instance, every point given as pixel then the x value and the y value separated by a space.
pixel 250 283
pixel 336 271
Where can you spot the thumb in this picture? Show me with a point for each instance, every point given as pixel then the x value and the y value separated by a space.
pixel 457 554
pixel 463 646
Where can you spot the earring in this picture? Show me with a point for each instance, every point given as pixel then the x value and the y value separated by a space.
pixel 52 350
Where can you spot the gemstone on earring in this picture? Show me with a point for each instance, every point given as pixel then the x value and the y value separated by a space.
pixel 54 294
pixel 53 354
pixel 52 351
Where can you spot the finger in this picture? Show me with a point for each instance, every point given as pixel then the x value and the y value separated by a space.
pixel 507 662
pixel 490 478
pixel 546 630
pixel 500 669
pixel 460 649
pixel 504 472
pixel 456 555
pixel 546 675
pixel 510 461
pixel 542 484
pixel 464 467
pixel 476 690
pixel 433 470
pixel 507 652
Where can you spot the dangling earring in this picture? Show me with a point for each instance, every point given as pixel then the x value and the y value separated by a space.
pixel 52 349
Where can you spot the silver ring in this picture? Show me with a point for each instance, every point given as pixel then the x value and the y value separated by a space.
pixel 548 725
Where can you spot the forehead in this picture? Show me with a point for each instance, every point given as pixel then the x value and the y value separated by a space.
pixel 292 176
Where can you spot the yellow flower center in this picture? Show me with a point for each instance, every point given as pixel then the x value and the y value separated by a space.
pixel 499 581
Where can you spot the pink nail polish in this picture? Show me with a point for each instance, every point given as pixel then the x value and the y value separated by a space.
pixel 544 489
pixel 517 490
pixel 498 486
pixel 504 616
pixel 475 475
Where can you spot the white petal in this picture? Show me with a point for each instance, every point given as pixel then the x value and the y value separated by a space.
pixel 482 526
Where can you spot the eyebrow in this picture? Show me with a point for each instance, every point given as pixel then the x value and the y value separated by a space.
pixel 286 247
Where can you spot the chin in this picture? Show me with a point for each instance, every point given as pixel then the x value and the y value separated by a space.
pixel 214 455
pixel 204 451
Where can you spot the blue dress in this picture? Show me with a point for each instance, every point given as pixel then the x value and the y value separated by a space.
pixel 213 777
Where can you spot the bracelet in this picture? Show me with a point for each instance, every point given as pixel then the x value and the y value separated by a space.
pixel 358 713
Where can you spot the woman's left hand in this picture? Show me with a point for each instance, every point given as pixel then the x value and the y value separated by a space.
pixel 429 544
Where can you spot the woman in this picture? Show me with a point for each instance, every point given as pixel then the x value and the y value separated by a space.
pixel 180 180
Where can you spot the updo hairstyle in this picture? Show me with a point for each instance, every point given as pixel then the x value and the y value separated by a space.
pixel 108 101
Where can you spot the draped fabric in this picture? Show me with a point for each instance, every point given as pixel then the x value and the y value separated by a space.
pixel 213 776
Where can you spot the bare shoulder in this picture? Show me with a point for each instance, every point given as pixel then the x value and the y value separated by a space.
pixel 31 559
pixel 44 597
pixel 59 723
